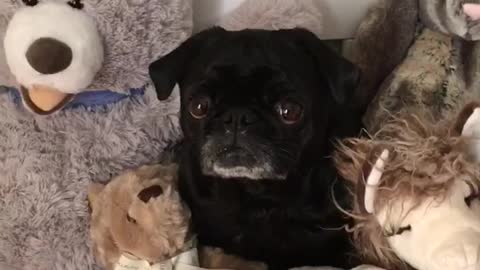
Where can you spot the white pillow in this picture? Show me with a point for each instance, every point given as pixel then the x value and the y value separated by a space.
pixel 341 17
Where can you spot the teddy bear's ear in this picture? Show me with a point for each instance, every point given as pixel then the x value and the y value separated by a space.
pixel 93 190
pixel 150 193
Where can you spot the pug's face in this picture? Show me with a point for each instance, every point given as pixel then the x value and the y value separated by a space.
pixel 254 102
pixel 247 123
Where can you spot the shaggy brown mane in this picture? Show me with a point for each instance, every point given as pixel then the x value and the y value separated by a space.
pixel 425 160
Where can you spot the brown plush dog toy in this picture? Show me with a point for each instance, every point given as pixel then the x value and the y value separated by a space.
pixel 140 222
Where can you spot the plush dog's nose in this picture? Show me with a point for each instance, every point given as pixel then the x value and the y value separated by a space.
pixel 239 119
pixel 49 56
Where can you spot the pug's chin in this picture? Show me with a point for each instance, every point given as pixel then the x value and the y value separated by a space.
pixel 242 172
pixel 237 162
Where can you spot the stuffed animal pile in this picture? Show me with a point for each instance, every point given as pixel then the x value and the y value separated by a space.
pixel 417 54
pixel 416 192
pixel 415 179
pixel 77 107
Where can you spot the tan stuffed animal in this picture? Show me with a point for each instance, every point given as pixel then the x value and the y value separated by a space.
pixel 139 222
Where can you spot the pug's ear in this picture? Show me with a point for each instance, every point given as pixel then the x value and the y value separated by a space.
pixel 171 68
pixel 342 76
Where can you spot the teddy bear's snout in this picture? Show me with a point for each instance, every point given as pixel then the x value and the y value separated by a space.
pixel 53 49
pixel 150 192
pixel 49 56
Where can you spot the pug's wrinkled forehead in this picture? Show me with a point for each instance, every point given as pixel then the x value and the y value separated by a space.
pixel 77 45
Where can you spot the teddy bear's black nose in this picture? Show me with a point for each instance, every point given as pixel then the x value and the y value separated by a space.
pixel 49 56
pixel 150 192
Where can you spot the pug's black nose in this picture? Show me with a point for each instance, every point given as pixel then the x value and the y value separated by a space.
pixel 49 56
pixel 239 119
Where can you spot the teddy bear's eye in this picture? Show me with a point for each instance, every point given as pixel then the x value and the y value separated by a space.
pixel 76 4
pixel 131 220
pixel 30 3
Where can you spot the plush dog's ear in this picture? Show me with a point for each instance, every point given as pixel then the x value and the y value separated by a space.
pixel 170 69
pixel 93 190
pixel 342 76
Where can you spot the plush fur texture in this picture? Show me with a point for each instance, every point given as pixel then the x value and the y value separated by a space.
pixel 47 162
pixel 427 162
pixel 139 212
pixel 130 41
pixel 448 17
pixel 419 82
pixel 402 78
pixel 284 217
pixel 79 34
pixel 381 42
pixel 276 15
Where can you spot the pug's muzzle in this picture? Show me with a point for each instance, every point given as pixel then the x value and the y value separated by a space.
pixel 232 152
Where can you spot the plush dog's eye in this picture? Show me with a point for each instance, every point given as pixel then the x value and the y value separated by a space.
pixel 397 231
pixel 76 4
pixel 131 220
pixel 470 199
pixel 198 107
pixel 30 3
pixel 474 195
pixel 290 112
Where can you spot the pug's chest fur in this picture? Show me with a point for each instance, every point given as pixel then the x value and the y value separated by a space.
pixel 279 223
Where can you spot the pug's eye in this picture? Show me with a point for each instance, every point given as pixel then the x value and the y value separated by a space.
pixel 30 3
pixel 77 4
pixel 131 220
pixel 290 112
pixel 199 106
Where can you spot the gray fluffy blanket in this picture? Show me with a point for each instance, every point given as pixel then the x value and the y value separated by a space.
pixel 46 162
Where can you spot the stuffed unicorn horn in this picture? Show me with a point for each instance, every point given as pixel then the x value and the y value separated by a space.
pixel 416 204
pixel 373 181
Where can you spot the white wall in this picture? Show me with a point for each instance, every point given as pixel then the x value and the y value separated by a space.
pixel 342 16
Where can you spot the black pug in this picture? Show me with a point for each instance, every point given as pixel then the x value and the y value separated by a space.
pixel 260 112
